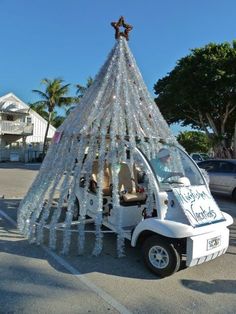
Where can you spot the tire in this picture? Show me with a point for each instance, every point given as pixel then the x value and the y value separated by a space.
pixel 160 256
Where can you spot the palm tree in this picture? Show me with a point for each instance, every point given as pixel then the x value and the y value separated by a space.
pixel 53 96
pixel 82 89
pixel 80 93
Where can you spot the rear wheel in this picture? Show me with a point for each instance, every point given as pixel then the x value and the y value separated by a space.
pixel 160 256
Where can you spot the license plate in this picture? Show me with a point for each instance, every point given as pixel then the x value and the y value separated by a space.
pixel 213 243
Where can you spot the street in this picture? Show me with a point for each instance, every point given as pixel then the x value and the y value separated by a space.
pixel 34 279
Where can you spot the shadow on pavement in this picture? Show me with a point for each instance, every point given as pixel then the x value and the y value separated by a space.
pixel 31 284
pixel 131 266
pixel 215 286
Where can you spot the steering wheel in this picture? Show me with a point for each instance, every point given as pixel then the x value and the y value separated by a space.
pixel 174 174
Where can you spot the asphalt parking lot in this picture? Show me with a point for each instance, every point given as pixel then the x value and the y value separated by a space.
pixel 36 280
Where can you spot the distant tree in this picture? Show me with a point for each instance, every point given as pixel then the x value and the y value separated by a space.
pixel 53 96
pixel 194 141
pixel 201 92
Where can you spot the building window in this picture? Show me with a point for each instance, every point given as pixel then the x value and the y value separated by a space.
pixel 9 118
pixel 28 120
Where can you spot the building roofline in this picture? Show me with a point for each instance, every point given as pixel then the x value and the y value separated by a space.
pixel 31 111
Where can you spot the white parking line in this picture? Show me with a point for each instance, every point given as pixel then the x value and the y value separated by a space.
pixel 105 296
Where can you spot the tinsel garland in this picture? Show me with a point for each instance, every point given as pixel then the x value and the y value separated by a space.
pixel 86 173
pixel 98 219
pixel 64 191
pixel 116 115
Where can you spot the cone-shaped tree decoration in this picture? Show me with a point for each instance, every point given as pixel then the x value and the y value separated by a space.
pixel 115 116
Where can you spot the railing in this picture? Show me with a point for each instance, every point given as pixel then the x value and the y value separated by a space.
pixel 14 127
pixel 7 153
pixel 20 154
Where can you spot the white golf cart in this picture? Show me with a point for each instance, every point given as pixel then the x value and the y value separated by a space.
pixel 173 218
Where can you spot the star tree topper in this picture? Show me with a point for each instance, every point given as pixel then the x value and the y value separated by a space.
pixel 117 25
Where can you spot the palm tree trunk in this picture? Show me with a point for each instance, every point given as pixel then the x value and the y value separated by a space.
pixel 46 133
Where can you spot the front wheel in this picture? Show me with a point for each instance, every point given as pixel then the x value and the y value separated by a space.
pixel 160 256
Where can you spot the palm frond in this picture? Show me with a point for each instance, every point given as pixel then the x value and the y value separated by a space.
pixel 82 89
pixel 67 101
pixel 40 103
pixel 64 89
pixel 40 93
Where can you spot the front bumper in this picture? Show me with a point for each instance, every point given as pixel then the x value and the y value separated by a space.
pixel 205 247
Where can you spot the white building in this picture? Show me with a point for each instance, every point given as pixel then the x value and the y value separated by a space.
pixel 22 130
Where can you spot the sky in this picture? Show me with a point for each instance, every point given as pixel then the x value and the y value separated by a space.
pixel 71 39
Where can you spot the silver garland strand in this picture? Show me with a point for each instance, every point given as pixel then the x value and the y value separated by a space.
pixel 49 176
pixel 98 219
pixel 58 176
pixel 86 172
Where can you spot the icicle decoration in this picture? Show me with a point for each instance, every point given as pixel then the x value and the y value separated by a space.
pixel 87 171
pixel 98 219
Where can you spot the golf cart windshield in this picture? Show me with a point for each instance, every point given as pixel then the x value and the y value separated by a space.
pixel 173 167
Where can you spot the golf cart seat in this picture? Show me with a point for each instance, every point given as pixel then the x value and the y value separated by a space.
pixel 106 189
pixel 128 187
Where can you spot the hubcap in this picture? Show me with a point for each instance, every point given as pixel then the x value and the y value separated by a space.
pixel 158 257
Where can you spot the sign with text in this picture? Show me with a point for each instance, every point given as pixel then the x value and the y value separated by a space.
pixel 198 205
